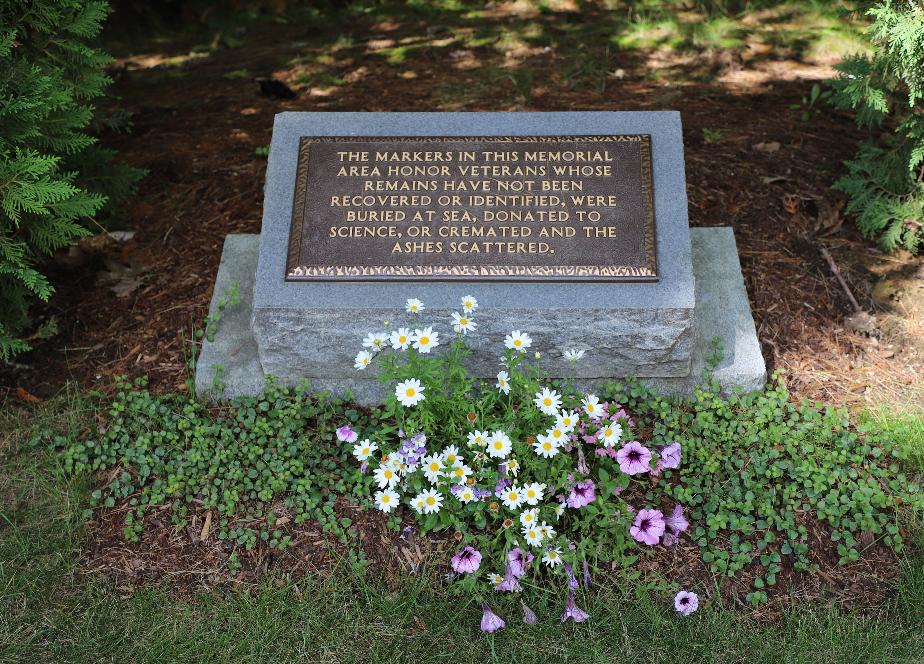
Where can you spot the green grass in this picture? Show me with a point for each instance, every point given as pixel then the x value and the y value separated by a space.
pixel 49 613
pixel 906 432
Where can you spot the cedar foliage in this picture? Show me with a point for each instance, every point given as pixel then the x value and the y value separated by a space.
pixel 885 180
pixel 54 179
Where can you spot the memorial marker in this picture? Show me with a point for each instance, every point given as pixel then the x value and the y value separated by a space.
pixel 477 208
pixel 569 226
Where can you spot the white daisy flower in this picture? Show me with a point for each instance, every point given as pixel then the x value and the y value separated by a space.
pixel 459 472
pixel 478 438
pixel 495 579
pixel 425 340
pixel 532 493
pixel 557 434
pixel 609 434
pixel 450 455
pixel 592 405
pixel 393 461
pixel 418 503
pixel 386 500
pixel 512 497
pixel 409 392
pixel 432 500
pixel 545 447
pixel 546 530
pixel 414 306
pixel 463 323
pixel 567 420
pixel 559 510
pixel 517 340
pixel 499 445
pixel 552 557
pixel 433 468
pixel 400 338
pixel 465 495
pixel 573 354
pixel 375 340
pixel 364 449
pixel 513 467
pixel 503 382
pixel 529 517
pixel 385 477
pixel 363 358
pixel 532 536
pixel 469 303
pixel 548 401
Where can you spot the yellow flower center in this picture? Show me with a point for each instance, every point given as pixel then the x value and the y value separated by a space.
pixel 434 467
pixel 402 339
pixel 463 321
pixel 388 474
pixel 517 342
pixel 547 401
pixel 410 391
pixel 498 445
pixel 424 341
pixel 431 500
pixel 528 517
pixel 546 446
pixel 386 498
pixel 460 472
pixel 512 496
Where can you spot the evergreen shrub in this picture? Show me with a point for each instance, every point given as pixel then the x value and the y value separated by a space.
pixel 54 178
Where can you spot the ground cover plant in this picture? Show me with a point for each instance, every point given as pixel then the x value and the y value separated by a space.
pixel 524 482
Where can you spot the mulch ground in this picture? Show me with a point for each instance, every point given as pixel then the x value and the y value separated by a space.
pixel 751 164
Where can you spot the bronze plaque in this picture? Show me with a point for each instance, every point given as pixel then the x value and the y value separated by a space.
pixel 552 208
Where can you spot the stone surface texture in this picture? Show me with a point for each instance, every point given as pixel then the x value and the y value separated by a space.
pixel 722 310
pixel 314 329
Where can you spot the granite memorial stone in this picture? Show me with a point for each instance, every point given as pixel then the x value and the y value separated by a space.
pixel 571 226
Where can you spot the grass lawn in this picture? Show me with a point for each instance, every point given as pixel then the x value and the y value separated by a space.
pixel 51 611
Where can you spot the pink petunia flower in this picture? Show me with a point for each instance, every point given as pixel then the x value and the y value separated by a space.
pixel 466 561
pixel 633 458
pixel 648 527
pixel 669 457
pixel 529 616
pixel 686 602
pixel 674 524
pixel 519 560
pixel 511 582
pixel 490 621
pixel 582 494
pixel 572 611
pixel 346 435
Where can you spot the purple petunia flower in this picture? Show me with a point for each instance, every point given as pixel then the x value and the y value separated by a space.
pixel 582 494
pixel 648 527
pixel 481 494
pixel 586 573
pixel 490 621
pixel 502 484
pixel 346 435
pixel 572 611
pixel 633 458
pixel 686 602
pixel 572 580
pixel 529 616
pixel 669 457
pixel 519 561
pixel 674 524
pixel 511 582
pixel 466 561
